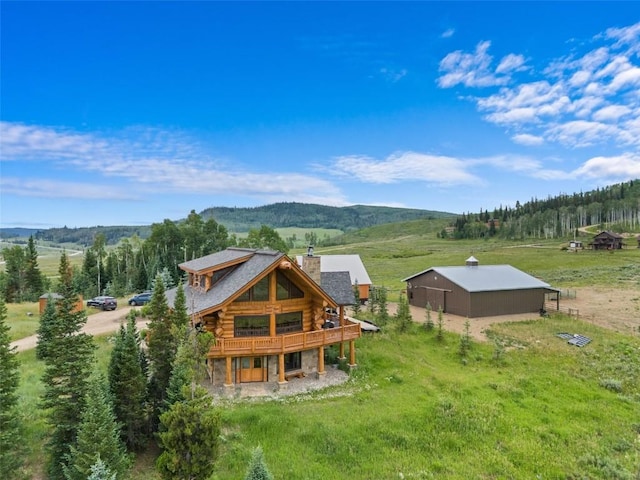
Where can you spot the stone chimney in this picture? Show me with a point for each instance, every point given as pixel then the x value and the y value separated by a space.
pixel 311 265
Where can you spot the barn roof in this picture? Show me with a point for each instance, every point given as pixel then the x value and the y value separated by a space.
pixel 341 263
pixel 486 278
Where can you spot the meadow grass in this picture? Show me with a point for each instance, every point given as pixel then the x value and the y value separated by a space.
pixel 413 409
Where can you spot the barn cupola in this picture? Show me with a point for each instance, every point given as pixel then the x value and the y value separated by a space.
pixel 472 261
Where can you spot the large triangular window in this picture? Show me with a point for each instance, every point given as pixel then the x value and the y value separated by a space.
pixel 286 289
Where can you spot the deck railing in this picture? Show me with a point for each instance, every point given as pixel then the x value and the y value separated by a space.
pixel 284 343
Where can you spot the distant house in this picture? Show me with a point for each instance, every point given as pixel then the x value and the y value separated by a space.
pixel 349 263
pixel 270 319
pixel 475 290
pixel 43 299
pixel 607 240
pixel 575 245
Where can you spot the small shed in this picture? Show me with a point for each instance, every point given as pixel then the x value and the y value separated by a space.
pixel 476 290
pixel 43 299
pixel 607 240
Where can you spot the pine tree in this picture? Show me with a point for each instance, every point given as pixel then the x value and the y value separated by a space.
pixel 34 280
pixel 128 385
pixel 382 308
pixel 258 469
pixel 68 364
pixel 356 294
pixel 403 314
pixel 440 334
pixel 46 328
pixel 99 471
pixel 189 366
pixel 179 314
pixel 98 436
pixel 10 427
pixel 162 346
pixel 428 324
pixel 189 438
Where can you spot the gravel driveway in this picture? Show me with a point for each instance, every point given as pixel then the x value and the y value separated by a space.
pixel 97 324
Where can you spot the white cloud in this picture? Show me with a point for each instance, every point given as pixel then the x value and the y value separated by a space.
pixel 620 168
pixel 585 99
pixel 45 188
pixel 404 166
pixel 580 133
pixel 448 33
pixel 151 160
pixel 470 69
pixel 511 63
pixel 527 139
pixel 611 112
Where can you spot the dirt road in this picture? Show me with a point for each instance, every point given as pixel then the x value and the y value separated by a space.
pixel 97 324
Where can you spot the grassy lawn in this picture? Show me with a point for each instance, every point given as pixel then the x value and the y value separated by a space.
pixel 414 409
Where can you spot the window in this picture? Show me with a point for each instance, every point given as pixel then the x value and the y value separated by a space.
pixel 288 322
pixel 251 326
pixel 258 293
pixel 286 289
pixel 292 361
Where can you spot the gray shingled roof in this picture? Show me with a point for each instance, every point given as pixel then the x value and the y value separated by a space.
pixel 236 280
pixel 338 286
pixel 485 278
pixel 218 258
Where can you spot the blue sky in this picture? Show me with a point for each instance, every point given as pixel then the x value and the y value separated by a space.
pixel 117 113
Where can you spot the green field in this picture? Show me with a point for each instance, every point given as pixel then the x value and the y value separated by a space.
pixel 538 408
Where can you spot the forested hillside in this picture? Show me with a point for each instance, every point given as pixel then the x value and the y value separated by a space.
pixel 305 215
pixel 615 207
pixel 241 220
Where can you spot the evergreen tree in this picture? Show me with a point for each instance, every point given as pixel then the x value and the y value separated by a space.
pixel 428 324
pixel 403 314
pixel 382 308
pixel 356 294
pixel 10 427
pixel 189 438
pixel 465 340
pixel 34 280
pixel 68 363
pixel 128 385
pixel 440 335
pixel 14 268
pixel 98 436
pixel 258 469
pixel 46 328
pixel 179 314
pixel 162 346
pixel 99 471
pixel 189 367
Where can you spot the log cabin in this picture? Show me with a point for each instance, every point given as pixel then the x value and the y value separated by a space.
pixel 271 320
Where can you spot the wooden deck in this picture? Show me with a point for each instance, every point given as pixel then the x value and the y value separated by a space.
pixel 283 343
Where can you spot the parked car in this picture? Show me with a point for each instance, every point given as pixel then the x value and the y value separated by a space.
pixel 140 299
pixel 103 302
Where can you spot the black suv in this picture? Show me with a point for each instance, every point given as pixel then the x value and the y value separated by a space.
pixel 140 299
pixel 103 303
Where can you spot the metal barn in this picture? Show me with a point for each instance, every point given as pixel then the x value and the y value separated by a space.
pixel 475 290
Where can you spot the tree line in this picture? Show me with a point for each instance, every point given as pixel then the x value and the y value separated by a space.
pixel 616 207
pixel 133 264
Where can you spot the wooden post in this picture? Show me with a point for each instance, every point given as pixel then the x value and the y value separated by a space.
pixel 341 354
pixel 281 378
pixel 227 379
pixel 352 353
pixel 321 361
